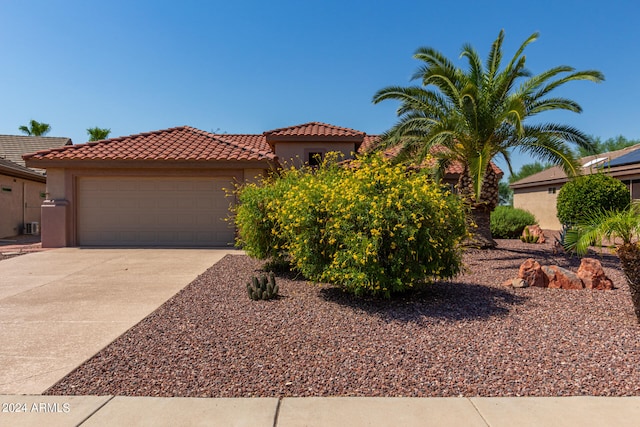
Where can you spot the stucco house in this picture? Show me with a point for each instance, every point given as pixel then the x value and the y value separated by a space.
pixel 538 193
pixel 22 190
pixel 167 187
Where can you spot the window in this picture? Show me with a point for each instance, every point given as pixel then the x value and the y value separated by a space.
pixel 6 189
pixel 552 190
pixel 314 158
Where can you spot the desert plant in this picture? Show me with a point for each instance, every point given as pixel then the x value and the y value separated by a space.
pixel 371 228
pixel 621 228
pixel 560 241
pixel 508 222
pixel 263 288
pixel 256 216
pixel 590 193
pixel 527 237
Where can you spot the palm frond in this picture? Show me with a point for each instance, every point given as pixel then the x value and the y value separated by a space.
pixel 550 104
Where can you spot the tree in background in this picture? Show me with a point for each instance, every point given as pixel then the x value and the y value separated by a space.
pixel 478 113
pixel 98 134
pixel 35 128
pixel 611 144
pixel 505 194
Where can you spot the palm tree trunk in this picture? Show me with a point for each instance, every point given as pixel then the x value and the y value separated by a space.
pixel 480 212
pixel 481 228
pixel 629 255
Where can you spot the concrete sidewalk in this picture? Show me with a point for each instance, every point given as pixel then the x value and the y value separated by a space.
pixel 62 306
pixel 325 412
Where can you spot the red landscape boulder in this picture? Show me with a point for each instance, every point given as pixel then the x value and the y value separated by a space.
pixel 593 276
pixel 531 272
pixel 561 278
pixel 590 275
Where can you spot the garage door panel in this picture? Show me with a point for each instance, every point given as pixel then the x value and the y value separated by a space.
pixel 153 212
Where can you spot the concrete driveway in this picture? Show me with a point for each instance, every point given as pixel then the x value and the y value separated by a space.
pixel 60 307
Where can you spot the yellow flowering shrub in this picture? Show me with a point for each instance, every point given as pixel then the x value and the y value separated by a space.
pixel 372 228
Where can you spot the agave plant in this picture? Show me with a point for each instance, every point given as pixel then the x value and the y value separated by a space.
pixel 620 228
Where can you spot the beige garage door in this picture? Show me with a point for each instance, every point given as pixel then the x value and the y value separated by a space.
pixel 177 212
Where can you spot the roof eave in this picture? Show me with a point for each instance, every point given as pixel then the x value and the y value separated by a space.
pixel 543 183
pixel 315 138
pixel 22 175
pixel 146 164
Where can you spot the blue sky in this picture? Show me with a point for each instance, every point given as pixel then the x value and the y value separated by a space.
pixel 248 66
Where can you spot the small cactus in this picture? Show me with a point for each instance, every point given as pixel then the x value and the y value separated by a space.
pixel 527 237
pixel 262 288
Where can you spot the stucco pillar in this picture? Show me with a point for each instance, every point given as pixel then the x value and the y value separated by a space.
pixel 53 227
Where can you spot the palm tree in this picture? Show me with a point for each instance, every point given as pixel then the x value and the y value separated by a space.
pixel 35 128
pixel 476 114
pixel 98 134
pixel 619 227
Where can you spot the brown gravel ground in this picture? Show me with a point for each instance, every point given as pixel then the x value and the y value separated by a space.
pixel 467 337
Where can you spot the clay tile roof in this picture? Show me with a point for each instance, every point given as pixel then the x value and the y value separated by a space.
pixel 368 143
pixel 316 130
pixel 456 168
pixel 179 143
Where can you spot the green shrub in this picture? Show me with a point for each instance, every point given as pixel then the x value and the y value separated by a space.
pixel 509 223
pixel 372 228
pixel 255 217
pixel 590 193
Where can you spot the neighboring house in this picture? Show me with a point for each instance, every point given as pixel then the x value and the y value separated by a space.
pixel 22 190
pixel 538 193
pixel 168 187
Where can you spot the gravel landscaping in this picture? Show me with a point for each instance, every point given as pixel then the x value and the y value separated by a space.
pixel 467 337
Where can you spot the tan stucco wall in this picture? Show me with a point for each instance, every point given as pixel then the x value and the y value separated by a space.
pixel 56 188
pixel 540 203
pixel 20 205
pixel 295 153
pixel 254 175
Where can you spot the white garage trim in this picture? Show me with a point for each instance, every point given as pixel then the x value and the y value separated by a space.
pixel 153 211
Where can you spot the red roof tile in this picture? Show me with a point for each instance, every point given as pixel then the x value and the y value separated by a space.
pixel 179 143
pixel 314 129
pixel 189 144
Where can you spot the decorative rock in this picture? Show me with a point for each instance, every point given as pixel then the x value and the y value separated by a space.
pixel 561 278
pixel 551 276
pixel 519 283
pixel 593 276
pixel 531 272
pixel 590 275
pixel 516 283
pixel 535 230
